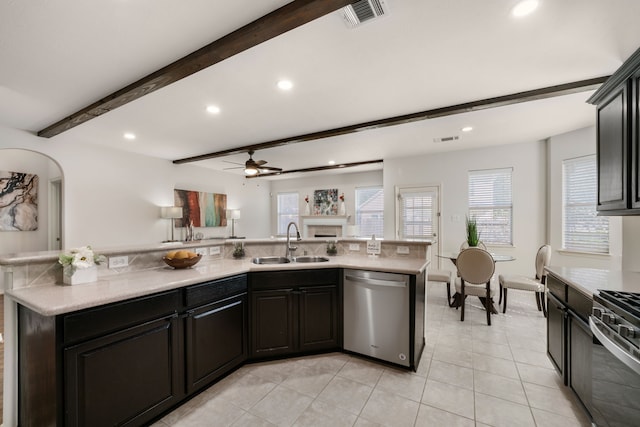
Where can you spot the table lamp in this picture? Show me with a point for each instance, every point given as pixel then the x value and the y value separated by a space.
pixel 171 212
pixel 233 214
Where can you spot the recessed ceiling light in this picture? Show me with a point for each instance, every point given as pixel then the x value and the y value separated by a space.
pixel 332 162
pixel 467 129
pixel 129 135
pixel 524 8
pixel 213 109
pixel 285 84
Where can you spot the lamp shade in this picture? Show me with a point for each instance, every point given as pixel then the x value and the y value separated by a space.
pixel 233 214
pixel 171 212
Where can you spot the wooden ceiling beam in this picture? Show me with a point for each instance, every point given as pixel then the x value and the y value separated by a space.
pixel 288 17
pixel 483 104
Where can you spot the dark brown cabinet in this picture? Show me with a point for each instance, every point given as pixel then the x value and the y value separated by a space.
pixel 294 312
pixel 569 338
pixel 129 362
pixel 618 123
pixel 215 330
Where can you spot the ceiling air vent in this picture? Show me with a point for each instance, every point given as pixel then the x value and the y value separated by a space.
pixel 362 11
pixel 446 139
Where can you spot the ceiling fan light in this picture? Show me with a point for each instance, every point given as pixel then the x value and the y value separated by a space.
pixel 251 170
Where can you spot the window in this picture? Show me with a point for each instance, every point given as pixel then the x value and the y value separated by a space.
pixel 490 203
pixel 287 210
pixel 582 229
pixel 416 213
pixel 370 211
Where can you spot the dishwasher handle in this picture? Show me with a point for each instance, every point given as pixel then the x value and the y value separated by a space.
pixel 377 282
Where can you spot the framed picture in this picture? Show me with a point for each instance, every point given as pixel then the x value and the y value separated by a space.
pixel 204 209
pixel 325 202
pixel 18 201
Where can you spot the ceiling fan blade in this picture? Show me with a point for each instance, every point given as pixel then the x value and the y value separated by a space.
pixel 260 162
pixel 236 167
pixel 233 163
pixel 270 169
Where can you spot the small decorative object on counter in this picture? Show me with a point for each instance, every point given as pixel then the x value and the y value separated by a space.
pixel 238 250
pixel 181 259
pixel 79 265
pixel 307 209
pixel 331 248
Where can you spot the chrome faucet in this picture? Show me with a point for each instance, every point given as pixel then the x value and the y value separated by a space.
pixel 289 247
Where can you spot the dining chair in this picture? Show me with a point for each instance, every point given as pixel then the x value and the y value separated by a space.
pixel 465 245
pixel 475 268
pixel 537 284
pixel 441 276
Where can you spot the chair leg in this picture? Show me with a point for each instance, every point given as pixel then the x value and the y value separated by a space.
pixel 449 294
pixel 462 300
pixel 538 301
pixel 544 304
pixel 504 306
pixel 500 298
pixel 488 305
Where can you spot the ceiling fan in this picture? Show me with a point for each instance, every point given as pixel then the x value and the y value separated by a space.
pixel 254 167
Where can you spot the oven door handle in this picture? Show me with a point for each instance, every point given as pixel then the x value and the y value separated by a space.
pixel 616 350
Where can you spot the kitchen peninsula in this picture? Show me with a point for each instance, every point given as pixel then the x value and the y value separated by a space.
pixel 149 337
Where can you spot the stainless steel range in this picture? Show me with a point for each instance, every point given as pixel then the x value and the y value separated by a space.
pixel 615 324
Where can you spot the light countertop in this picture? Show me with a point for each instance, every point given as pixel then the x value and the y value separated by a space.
pixel 589 280
pixel 51 300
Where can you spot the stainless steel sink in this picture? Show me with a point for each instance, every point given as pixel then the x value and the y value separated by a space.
pixel 310 259
pixel 270 260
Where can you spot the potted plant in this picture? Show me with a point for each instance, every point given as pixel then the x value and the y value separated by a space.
pixel 331 248
pixel 238 250
pixel 473 237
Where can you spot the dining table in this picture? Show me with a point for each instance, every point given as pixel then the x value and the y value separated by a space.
pixel 456 299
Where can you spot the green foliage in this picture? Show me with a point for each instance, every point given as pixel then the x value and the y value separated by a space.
pixel 473 237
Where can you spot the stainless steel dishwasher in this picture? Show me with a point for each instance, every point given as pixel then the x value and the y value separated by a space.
pixel 376 315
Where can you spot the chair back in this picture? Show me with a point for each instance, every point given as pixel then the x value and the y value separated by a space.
pixel 543 259
pixel 475 266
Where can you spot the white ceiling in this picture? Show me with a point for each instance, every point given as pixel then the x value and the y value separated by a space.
pixel 60 56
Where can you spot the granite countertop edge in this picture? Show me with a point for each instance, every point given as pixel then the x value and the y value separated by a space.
pixel 589 281
pixel 56 299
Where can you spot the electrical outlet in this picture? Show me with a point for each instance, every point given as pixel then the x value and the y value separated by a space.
pixel 201 251
pixel 118 261
pixel 403 250
pixel 214 250
pixel 354 246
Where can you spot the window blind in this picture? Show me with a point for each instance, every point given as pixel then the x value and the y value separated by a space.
pixel 583 230
pixel 416 214
pixel 490 203
pixel 370 211
pixel 287 211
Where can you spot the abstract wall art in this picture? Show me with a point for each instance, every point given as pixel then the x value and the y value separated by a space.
pixel 18 201
pixel 325 202
pixel 204 209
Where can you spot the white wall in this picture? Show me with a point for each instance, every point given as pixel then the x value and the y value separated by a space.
pixel 345 183
pixel 112 198
pixel 573 144
pixel 450 170
pixel 631 243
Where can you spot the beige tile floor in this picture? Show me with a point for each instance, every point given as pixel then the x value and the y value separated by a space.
pixel 470 374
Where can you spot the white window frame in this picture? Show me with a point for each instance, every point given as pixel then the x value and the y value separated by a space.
pixel 359 231
pixel 490 206
pixel 429 228
pixel 291 216
pixel 588 232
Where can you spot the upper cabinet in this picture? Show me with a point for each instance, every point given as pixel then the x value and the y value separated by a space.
pixel 618 123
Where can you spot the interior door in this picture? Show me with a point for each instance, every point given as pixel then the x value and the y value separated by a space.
pixel 418 216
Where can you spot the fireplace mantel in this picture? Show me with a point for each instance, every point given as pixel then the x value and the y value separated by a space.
pixel 324 221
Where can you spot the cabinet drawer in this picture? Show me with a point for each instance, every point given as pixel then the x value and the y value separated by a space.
pixel 579 303
pixel 215 290
pixel 98 321
pixel 278 279
pixel 557 288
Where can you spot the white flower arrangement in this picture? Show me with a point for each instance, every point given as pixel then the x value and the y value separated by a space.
pixel 79 258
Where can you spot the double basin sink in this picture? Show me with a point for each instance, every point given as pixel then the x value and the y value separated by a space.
pixel 285 260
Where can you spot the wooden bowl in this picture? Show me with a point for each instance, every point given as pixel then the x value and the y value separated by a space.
pixel 182 262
